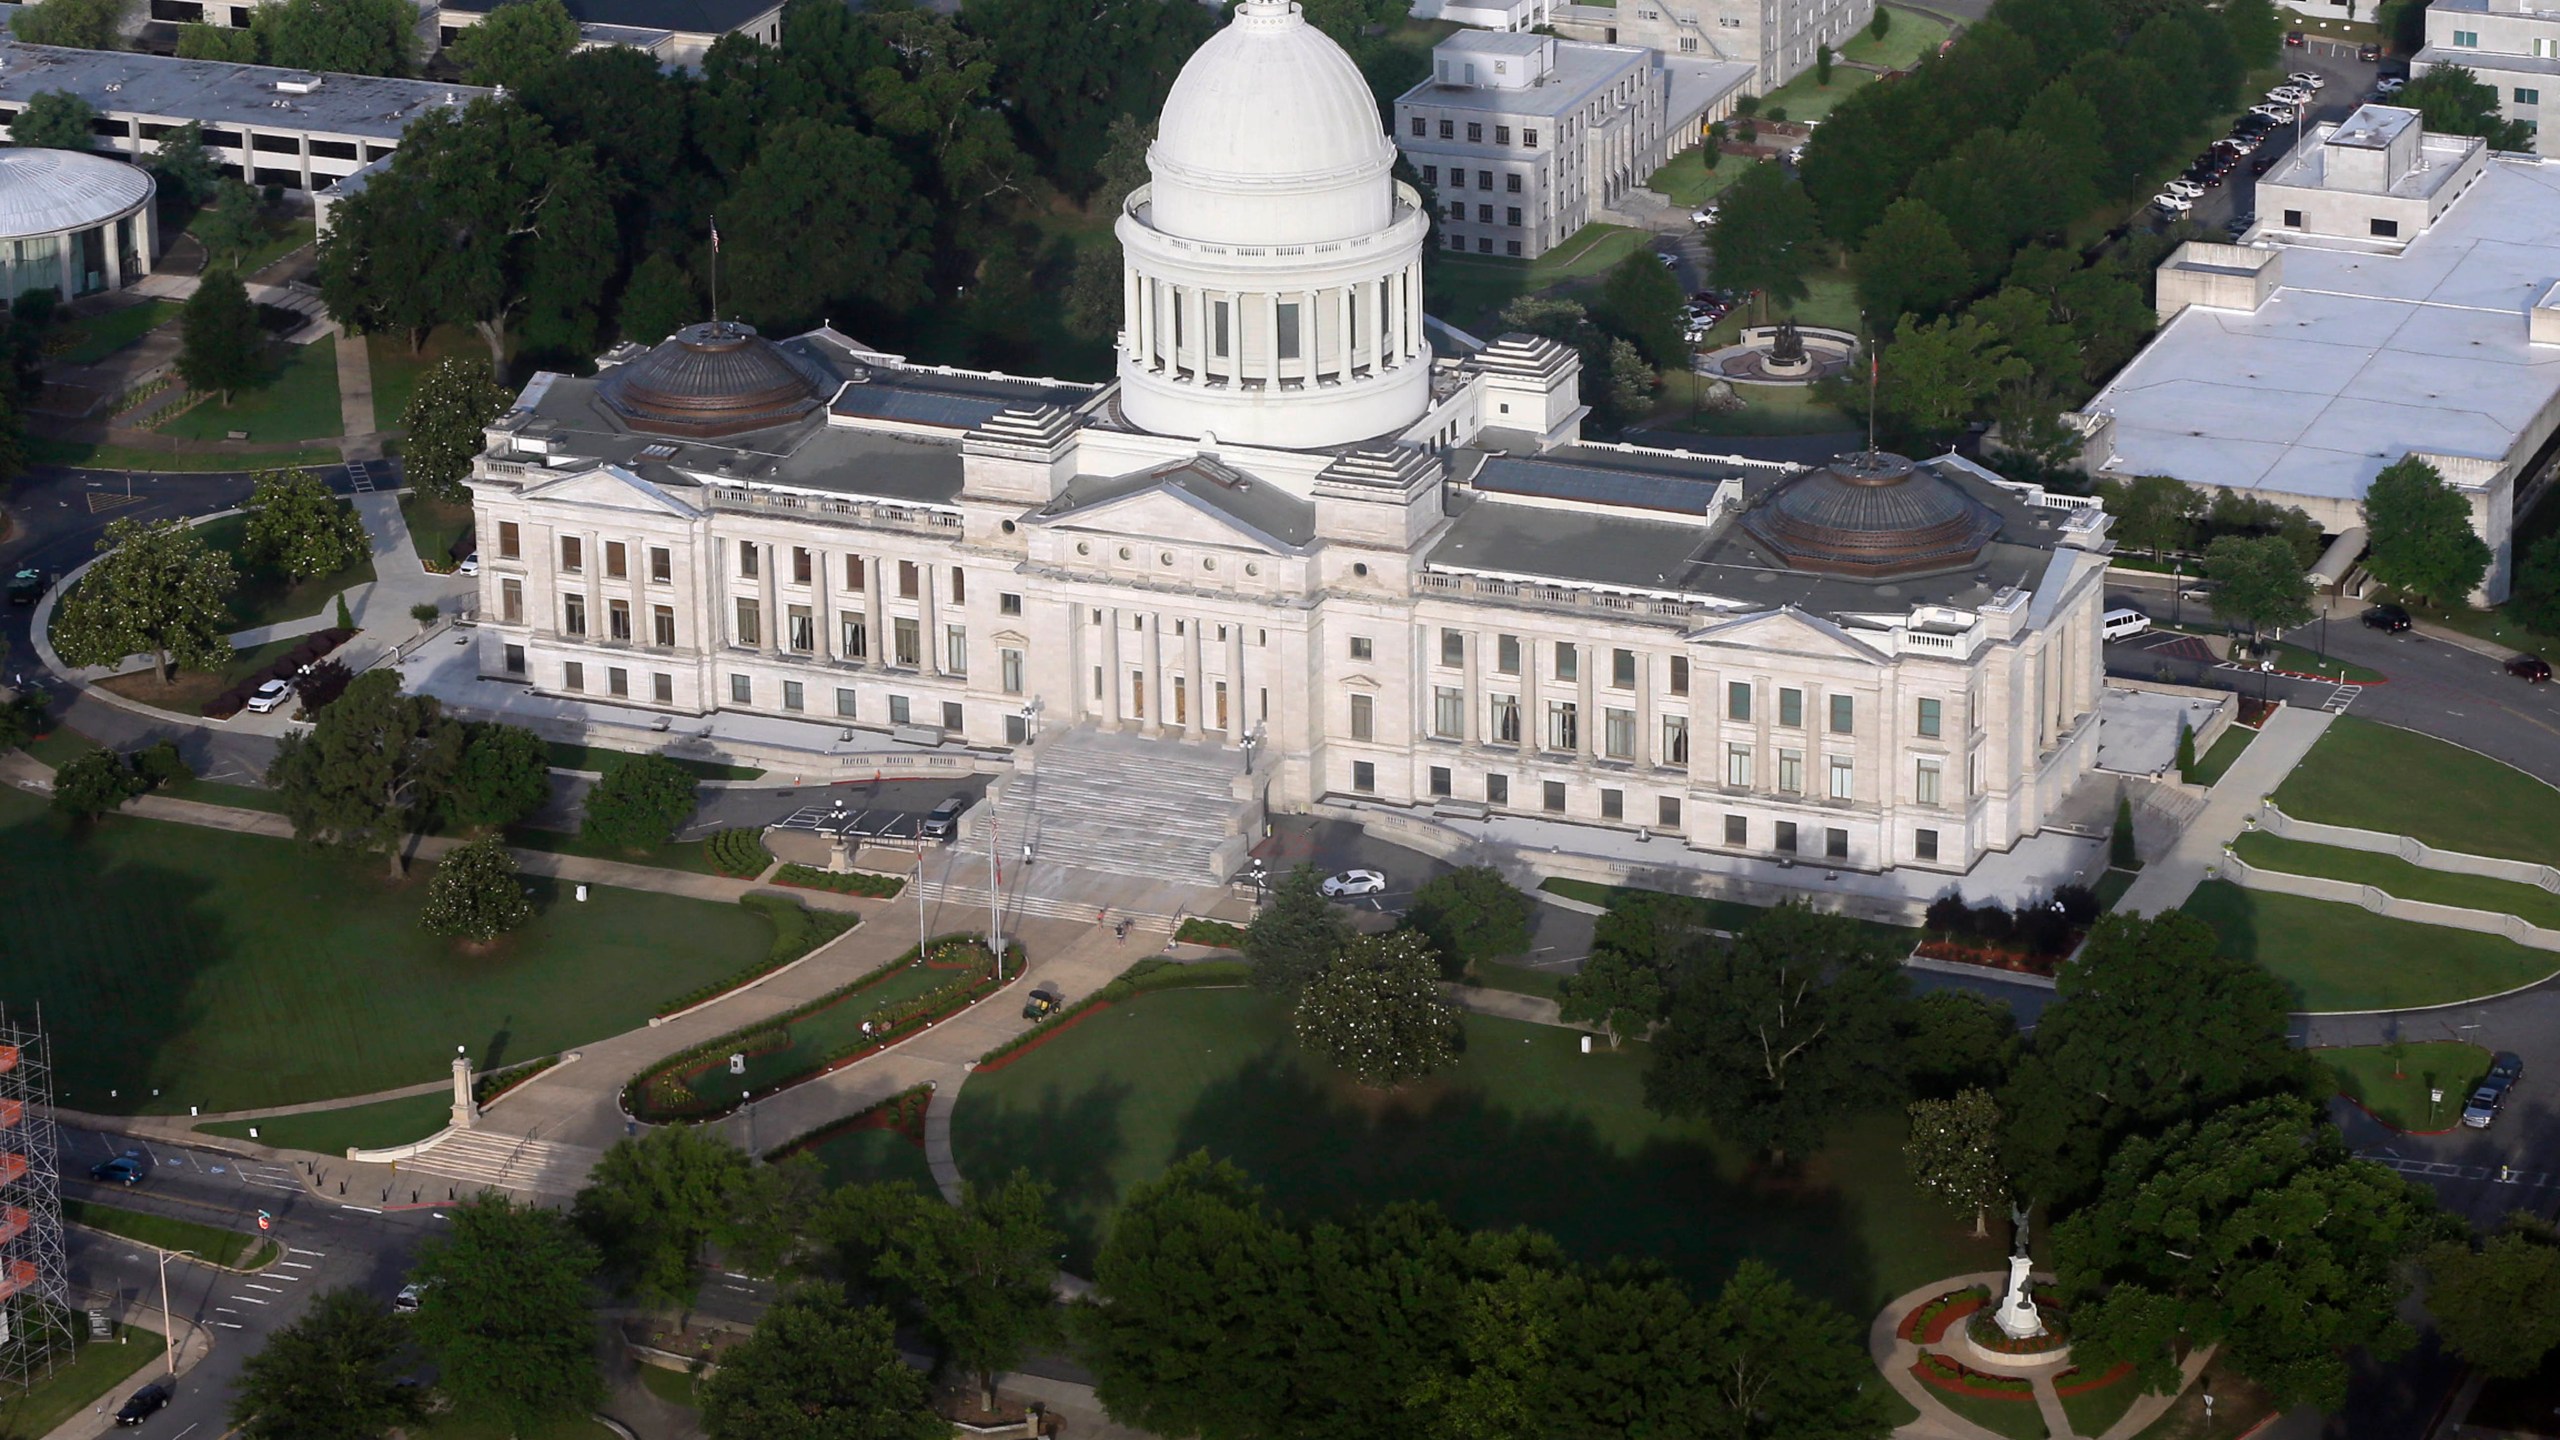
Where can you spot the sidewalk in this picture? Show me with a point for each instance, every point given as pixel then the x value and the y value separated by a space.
pixel 2166 882
pixel 100 1418
pixel 1894 1356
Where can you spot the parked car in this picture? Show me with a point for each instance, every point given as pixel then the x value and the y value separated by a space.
pixel 2173 205
pixel 122 1170
pixel 1041 1004
pixel 2293 38
pixel 2368 53
pixel 2508 1066
pixel 2388 86
pixel 1352 883
pixel 2288 95
pixel 2386 616
pixel 406 1302
pixel 2531 669
pixel 26 587
pixel 2188 188
pixel 2276 114
pixel 944 818
pixel 2238 225
pixel 268 696
pixel 471 563
pixel 146 1402
pixel 2308 79
pixel 2483 1105
pixel 2123 622
pixel 1704 215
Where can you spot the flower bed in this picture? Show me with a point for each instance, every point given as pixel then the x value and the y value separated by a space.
pixel 2063 1384
pixel 498 1082
pixel 1991 957
pixel 1942 1373
pixel 1196 931
pixel 902 1113
pixel 797 930
pixel 853 882
pixel 1928 1323
pixel 738 854
pixel 1985 1331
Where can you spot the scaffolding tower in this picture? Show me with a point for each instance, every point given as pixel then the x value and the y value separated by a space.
pixel 35 1278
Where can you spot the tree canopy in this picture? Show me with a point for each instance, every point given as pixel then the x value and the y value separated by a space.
pixel 654 1203
pixel 299 529
pixel 825 213
pixel 639 802
pixel 157 590
pixel 506 1312
pixel 1764 236
pixel 504 775
pixel 818 1368
pixel 2423 542
pixel 353 37
pixel 1471 914
pixel 981 1275
pixel 1376 1012
pixel 475 893
pixel 331 1374
pixel 513 44
pixel 2451 100
pixel 79 25
pixel 446 421
pixel 1295 935
pixel 221 350
pixel 372 770
pixel 53 119
pixel 2259 583
pixel 2496 1301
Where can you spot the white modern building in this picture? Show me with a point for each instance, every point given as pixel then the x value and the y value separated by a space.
pixel 1289 557
pixel 1777 39
pixel 2509 45
pixel 2397 297
pixel 75 224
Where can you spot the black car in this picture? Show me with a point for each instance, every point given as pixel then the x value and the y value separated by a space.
pixel 122 1170
pixel 2262 164
pixel 2531 669
pixel 2386 617
pixel 2368 53
pixel 146 1402
pixel 2508 1067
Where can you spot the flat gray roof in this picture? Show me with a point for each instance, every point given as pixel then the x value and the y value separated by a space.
pixel 1581 70
pixel 694 17
pixel 125 82
pixel 2358 357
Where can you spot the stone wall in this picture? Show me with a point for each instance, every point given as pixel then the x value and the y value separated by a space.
pixel 2382 902
pixel 2416 852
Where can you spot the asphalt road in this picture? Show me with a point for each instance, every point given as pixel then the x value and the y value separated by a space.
pixel 2350 83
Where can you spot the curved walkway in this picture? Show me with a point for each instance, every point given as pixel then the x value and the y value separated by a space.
pixel 1895 1356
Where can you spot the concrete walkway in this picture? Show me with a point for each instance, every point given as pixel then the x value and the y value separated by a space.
pixel 2166 882
pixel 194 1344
pixel 355 398
pixel 1895 1356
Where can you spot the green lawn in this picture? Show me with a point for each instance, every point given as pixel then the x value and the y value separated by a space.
pixel 2019 1419
pixel 2094 1412
pixel 237 1248
pixel 2376 777
pixel 814 1037
pixel 1687 180
pixel 97 1369
pixel 88 341
pixel 688 855
pixel 1469 291
pixel 266 598
pixel 396 371
pixel 1766 409
pixel 1523 1131
pixel 596 758
pixel 2219 756
pixel 2398 877
pixel 298 400
pixel 673 1386
pixel 2339 957
pixel 860 1157
pixel 45 450
pixel 434 525
pixel 1804 101
pixel 236 971
pixel 218 792
pixel 377 1126
pixel 1913 38
pixel 2303 660
pixel 1519 979
pixel 2112 885
pixel 455 1427
pixel 2395 1091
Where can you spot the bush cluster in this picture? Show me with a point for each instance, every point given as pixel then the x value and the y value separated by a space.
pixel 1921 1318
pixel 903 1112
pixel 854 882
pixel 1946 1372
pixel 314 647
pixel 739 854
pixel 1196 931
pixel 2042 929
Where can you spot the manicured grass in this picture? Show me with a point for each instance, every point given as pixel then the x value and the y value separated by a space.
pixel 236 971
pixel 396 371
pixel 812 1038
pixel 2239 1407
pixel 44 450
pixel 455 1427
pixel 1912 38
pixel 1687 181
pixel 236 1248
pixel 237 797
pixel 98 1368
pixel 1766 409
pixel 2094 1412
pixel 2398 877
pixel 1519 979
pixel 377 1126
pixel 57 746
pixel 86 342
pixel 2378 777
pixel 593 757
pixel 296 400
pixel 1469 291
pixel 266 598
pixel 1805 101
pixel 861 1157
pixel 2219 757
pixel 435 526
pixel 2019 1419
pixel 2112 885
pixel 2366 1075
pixel 2303 660
pixel 688 855
pixel 673 1386
pixel 2339 957
pixel 1523 1131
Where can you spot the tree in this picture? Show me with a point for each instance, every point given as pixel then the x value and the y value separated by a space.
pixel 1937 376
pixel 1954 1153
pixel 2186 749
pixel 92 783
pixel 639 802
pixel 1882 23
pixel 22 717
pixel 446 424
pixel 1774 1036
pixel 217 42
pixel 660 300
pixel 653 1205
pixel 818 1368
pixel 1070 68
pixel 1631 383
pixel 230 225
pixel 221 349
pixel 1472 914
pixel 2153 512
pixel 2122 854
pixel 505 1311
pixel 2536 597
pixel 1822 65
pixel 981 1274
pixel 1910 264
pixel 504 776
pixel 1788 1366
pixel 475 893
pixel 1295 936
pixel 300 530
pixel 2258 583
pixel 2423 542
pixel 353 37
pixel 181 164
pixel 2253 1228
pixel 53 119
pixel 1956 1040
pixel 513 44
pixel 321 682
pixel 825 216
pixel 1376 1011
pixel 1641 301
pixel 373 770
pixel 2497 1303
pixel 2451 100
pixel 1620 993
pixel 1764 236
pixel 80 25
pixel 159 590
pixel 333 1374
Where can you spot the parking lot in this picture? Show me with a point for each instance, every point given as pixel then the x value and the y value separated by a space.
pixel 2350 83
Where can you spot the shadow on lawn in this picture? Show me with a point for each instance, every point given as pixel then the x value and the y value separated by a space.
pixel 1070 1142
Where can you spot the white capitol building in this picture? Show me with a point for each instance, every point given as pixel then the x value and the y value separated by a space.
pixel 1293 558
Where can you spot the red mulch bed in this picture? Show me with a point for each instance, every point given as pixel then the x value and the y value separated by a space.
pixel 1945 1320
pixel 1961 1384
pixel 1990 959
pixel 2083 1387
pixel 1061 1028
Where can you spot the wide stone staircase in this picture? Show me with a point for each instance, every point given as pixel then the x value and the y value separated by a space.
pixel 1129 805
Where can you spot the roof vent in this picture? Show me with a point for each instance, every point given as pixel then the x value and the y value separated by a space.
pixel 300 84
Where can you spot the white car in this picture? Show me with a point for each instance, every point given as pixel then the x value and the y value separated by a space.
pixel 1703 215
pixel 269 696
pixel 2172 204
pixel 406 1302
pixel 1669 262
pixel 2308 79
pixel 471 563
pixel 2288 95
pixel 2280 114
pixel 2388 85
pixel 1353 882
pixel 2184 189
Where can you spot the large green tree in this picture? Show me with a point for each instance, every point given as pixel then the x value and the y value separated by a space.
pixel 1295 935
pixel 1764 238
pixel 446 425
pixel 1910 264
pixel 1471 914
pixel 372 771
pixel 299 529
pixel 2258 582
pixel 217 42
pixel 507 1313
pixel 182 166
pixel 1640 301
pixel 1955 1040
pixel 52 119
pixel 331 1374
pixel 157 590
pixel 503 777
pixel 230 224
pixel 2536 596
pixel 655 1203
pixel 982 1275
pixel 2422 538
pixel 221 350
pixel 640 802
pixel 353 37
pixel 1376 1011
pixel 475 893
pixel 1939 375
pixel 1782 1032
pixel 2452 100
pixel 1069 68
pixel 2153 512
pixel 2497 1301
pixel 92 783
pixel 1954 1153
pixel 825 216
pixel 662 299
pixel 78 25
pixel 515 43
pixel 818 1368
pixel 1622 994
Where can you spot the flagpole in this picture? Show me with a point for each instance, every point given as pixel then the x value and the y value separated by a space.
pixel 715 269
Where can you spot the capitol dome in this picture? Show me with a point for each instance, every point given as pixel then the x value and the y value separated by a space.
pixel 715 378
pixel 1872 514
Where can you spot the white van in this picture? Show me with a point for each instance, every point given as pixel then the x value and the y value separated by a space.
pixel 2118 624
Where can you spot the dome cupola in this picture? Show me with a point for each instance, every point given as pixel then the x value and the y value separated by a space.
pixel 1871 514
pixel 715 378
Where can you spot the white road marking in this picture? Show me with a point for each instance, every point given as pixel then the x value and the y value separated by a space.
pixel 252 1299
pixel 298 1250
pixel 270 1289
pixel 227 1325
pixel 293 1265
pixel 361 1209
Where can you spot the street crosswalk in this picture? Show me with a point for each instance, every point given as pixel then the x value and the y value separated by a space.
pixel 2442 1170
pixel 290 1269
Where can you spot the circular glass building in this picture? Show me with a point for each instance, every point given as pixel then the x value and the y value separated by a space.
pixel 74 223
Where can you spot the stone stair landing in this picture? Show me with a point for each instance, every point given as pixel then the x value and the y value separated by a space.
pixel 1126 804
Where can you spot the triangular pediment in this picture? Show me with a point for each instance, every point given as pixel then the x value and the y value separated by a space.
pixel 609 487
pixel 1170 513
pixel 1787 631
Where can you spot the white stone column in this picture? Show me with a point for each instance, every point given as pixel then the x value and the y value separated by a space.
pixel 769 598
pixel 1470 724
pixel 1342 354
pixel 1193 718
pixel 928 617
pixel 1271 339
pixel 1414 341
pixel 1128 307
pixel 1146 342
pixel 876 634
pixel 1237 694
pixel 1403 312
pixel 1310 335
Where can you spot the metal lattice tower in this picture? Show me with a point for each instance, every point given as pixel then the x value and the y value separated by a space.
pixel 35 1289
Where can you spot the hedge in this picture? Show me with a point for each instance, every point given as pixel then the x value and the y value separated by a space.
pixel 1916 1324
pixel 1152 973
pixel 797 930
pixel 900 1111
pixel 498 1082
pixel 1196 931
pixel 1940 1371
pixel 739 854
pixel 852 882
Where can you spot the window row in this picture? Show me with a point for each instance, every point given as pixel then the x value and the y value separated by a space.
pixel 1484 214
pixel 1511 181
pixel 1475 132
pixel 1564 656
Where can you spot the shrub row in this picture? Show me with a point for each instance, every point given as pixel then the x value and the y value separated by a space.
pixel 1920 1320
pixel 1939 1370
pixel 1984 1330
pixel 1152 973
pixel 855 882
pixel 2047 928
pixel 797 930
pixel 315 646
pixel 739 854
pixel 498 1082
pixel 902 1112
pixel 1196 931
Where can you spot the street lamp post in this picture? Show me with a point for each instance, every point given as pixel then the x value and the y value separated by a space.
pixel 168 1327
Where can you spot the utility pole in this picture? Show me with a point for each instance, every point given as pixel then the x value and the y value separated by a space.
pixel 995 897
pixel 946 870
pixel 168 1327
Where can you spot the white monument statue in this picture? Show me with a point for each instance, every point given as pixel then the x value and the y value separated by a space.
pixel 466 1113
pixel 2017 1316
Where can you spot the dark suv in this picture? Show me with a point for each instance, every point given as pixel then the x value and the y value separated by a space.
pixel 2387 617
pixel 146 1402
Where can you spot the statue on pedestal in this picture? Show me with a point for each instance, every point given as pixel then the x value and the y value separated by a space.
pixel 1787 346
pixel 2017 1317
pixel 466 1112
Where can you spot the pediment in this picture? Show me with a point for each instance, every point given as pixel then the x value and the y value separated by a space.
pixel 609 487
pixel 1787 631
pixel 1171 513
pixel 1359 682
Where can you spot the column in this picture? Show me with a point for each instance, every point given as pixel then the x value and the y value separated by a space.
pixel 1414 340
pixel 1239 697
pixel 1128 307
pixel 1143 345
pixel 822 618
pixel 1587 687
pixel 1151 655
pixel 873 621
pixel 769 597
pixel 1198 300
pixel 928 626
pixel 1342 312
pixel 1394 286
pixel 1271 338
pixel 1309 332
pixel 1198 683
pixel 1112 677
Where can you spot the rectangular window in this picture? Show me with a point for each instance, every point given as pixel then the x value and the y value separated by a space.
pixel 748 560
pixel 617 681
pixel 1564 725
pixel 1511 216
pixel 844 702
pixel 510 541
pixel 955 650
pixel 1679 684
pixel 1506 654
pixel 1844 778
pixel 1511 184
pixel 1361 649
pixel 959 586
pixel 1363 718
pixel 1448 130
pixel 1554 800
pixel 1737 700
pixel 662 687
pixel 1568 662
pixel 1497 789
pixel 1008 604
pixel 750 629
pixel 804 629
pixel 2528 97
pixel 1440 781
pixel 1503 725
pixel 1618 734
pixel 1288 331
pixel 1791 771
pixel 909 578
pixel 617 560
pixel 573 676
pixel 2293 219
pixel 1009 664
pixel 1675 740
pixel 1784 841
pixel 1448 711
pixel 1501 134
pixel 951 716
pixel 1666 812
pixel 899 710
pixel 662 565
pixel 1364 776
pixel 1219 340
pixel 1484 180
pixel 1844 713
pixel 906 642
pixel 2467 39
pixel 800 565
pixel 1924 783
pixel 573 554
pixel 1453 648
pixel 1613 804
pixel 1924 844
pixel 2384 229
pixel 617 621
pixel 1529 139
pixel 573 614
pixel 511 601
pixel 741 690
pixel 1475 133
pixel 1622 669
pixel 1791 708
pixel 662 624
pixel 1430 173
pixel 1511 248
pixel 1418 127
pixel 1484 216
pixel 855 636
pixel 1930 717
pixel 1835 843
pixel 853 572
pixel 1737 830
pixel 793 697
pixel 1737 766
